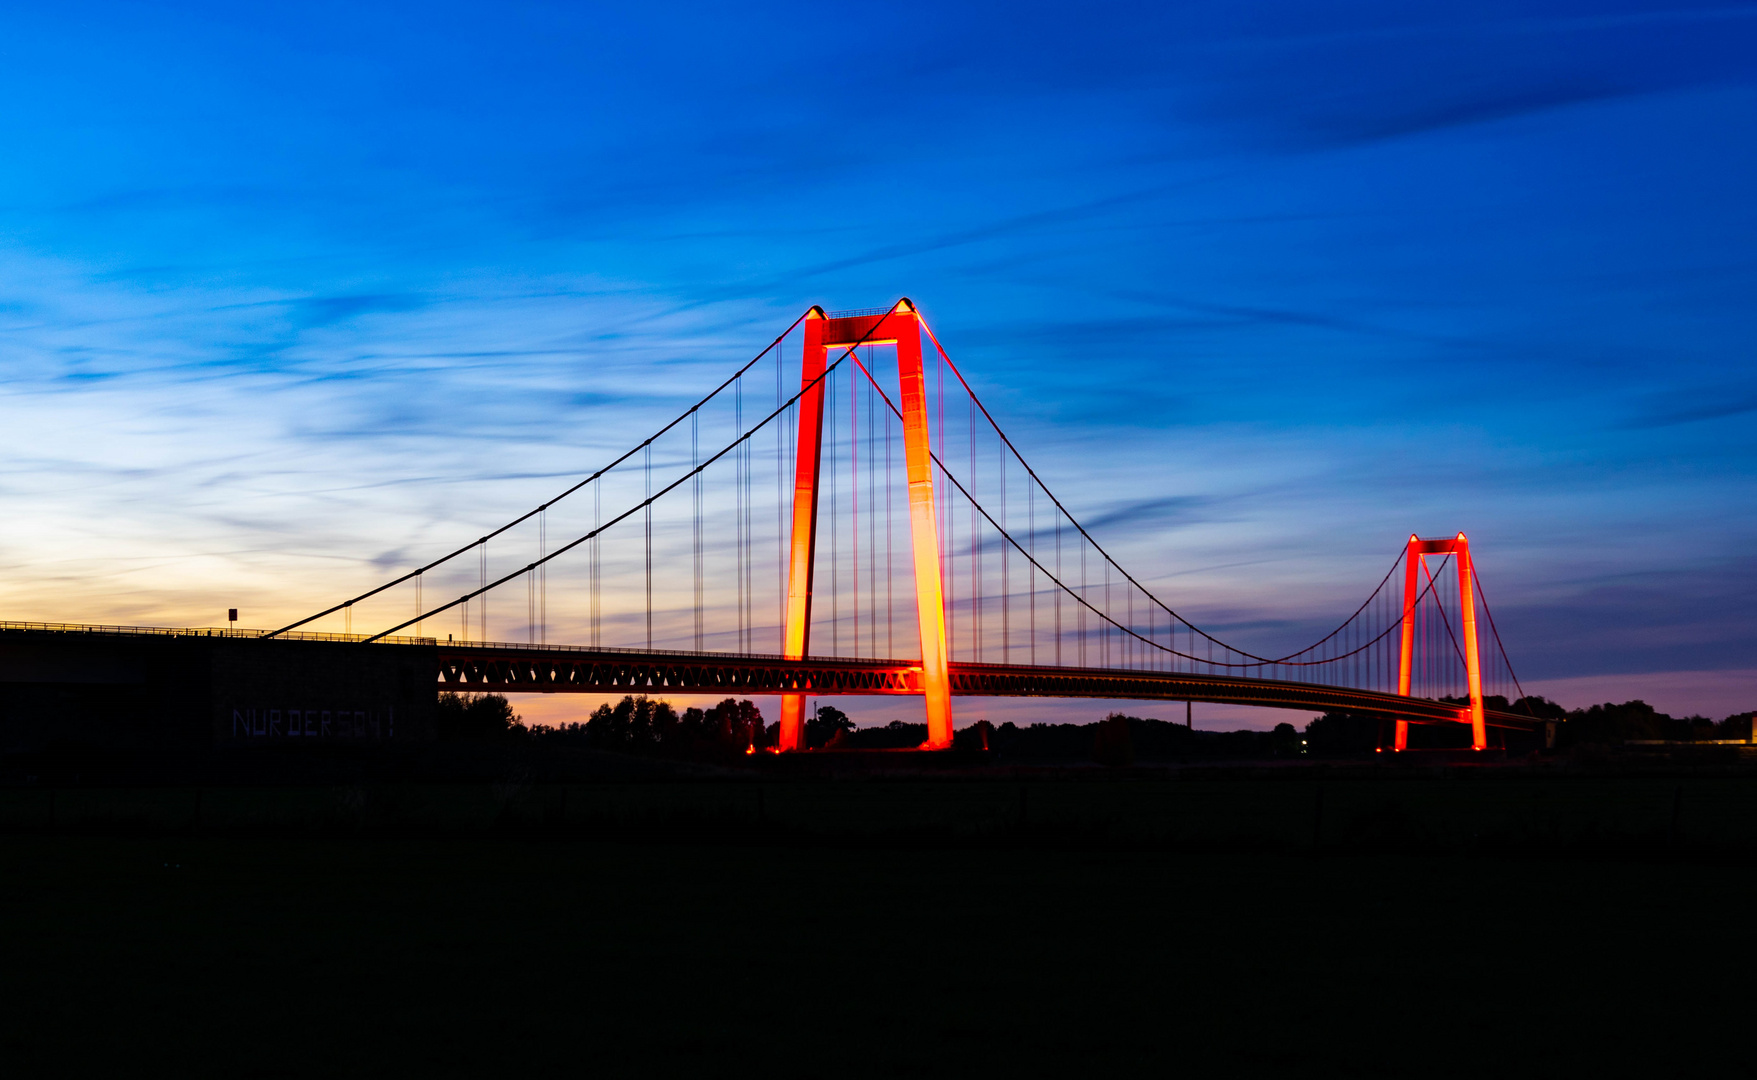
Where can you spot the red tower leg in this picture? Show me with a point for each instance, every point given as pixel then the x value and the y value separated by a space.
pixel 1406 654
pixel 804 543
pixel 1479 728
pixel 930 612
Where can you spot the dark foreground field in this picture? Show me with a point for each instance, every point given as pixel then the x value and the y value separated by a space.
pixel 515 955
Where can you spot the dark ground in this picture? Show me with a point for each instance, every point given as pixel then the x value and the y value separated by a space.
pixel 505 955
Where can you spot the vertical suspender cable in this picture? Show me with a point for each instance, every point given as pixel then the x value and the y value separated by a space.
pixel 890 603
pixel 975 546
pixel 738 520
pixel 871 523
pixel 854 498
pixel 543 577
pixel 788 464
pixel 1082 608
pixel 1104 642
pixel 1128 642
pixel 1006 578
pixel 1058 592
pixel 780 516
pixel 1031 564
pixel 592 568
pixel 948 563
pixel 1421 643
pixel 695 458
pixel 751 545
pixel 835 546
pixel 949 557
pixel 647 463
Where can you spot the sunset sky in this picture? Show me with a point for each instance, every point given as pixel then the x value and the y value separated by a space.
pixel 293 298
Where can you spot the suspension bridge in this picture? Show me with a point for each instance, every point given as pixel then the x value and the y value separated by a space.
pixel 842 515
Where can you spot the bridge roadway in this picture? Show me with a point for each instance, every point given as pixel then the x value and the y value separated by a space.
pixel 512 668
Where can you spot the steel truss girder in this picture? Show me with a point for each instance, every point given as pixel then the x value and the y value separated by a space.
pixel 511 669
pixel 477 669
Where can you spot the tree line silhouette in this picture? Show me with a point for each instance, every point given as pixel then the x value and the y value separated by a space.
pixel 636 725
pixel 644 725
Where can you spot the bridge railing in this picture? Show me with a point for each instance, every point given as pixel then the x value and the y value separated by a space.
pixel 198 631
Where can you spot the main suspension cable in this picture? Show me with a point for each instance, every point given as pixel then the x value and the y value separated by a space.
pixel 1505 659
pixel 977 402
pixel 978 508
pixel 649 500
pixel 686 414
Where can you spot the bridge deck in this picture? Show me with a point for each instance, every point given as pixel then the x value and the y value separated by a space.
pixel 562 669
pixel 514 668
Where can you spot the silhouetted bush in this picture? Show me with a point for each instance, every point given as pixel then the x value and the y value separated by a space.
pixel 1111 744
pixel 644 725
pixel 829 724
pixel 1610 723
pixel 897 735
pixel 481 717
pixel 978 736
pixel 1736 726
pixel 1341 733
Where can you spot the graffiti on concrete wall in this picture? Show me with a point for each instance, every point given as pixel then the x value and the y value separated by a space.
pixel 351 724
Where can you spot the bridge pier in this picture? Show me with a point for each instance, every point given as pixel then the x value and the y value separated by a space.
pixel 119 688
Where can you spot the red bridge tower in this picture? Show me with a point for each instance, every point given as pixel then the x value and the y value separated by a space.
pixel 1414 564
pixel 900 326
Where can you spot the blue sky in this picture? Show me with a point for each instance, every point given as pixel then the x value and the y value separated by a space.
pixel 291 297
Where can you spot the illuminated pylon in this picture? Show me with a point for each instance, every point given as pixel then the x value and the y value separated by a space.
pixel 1419 549
pixel 900 327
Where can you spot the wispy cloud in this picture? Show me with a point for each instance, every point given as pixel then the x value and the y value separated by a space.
pixel 1259 289
pixel 1690 405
